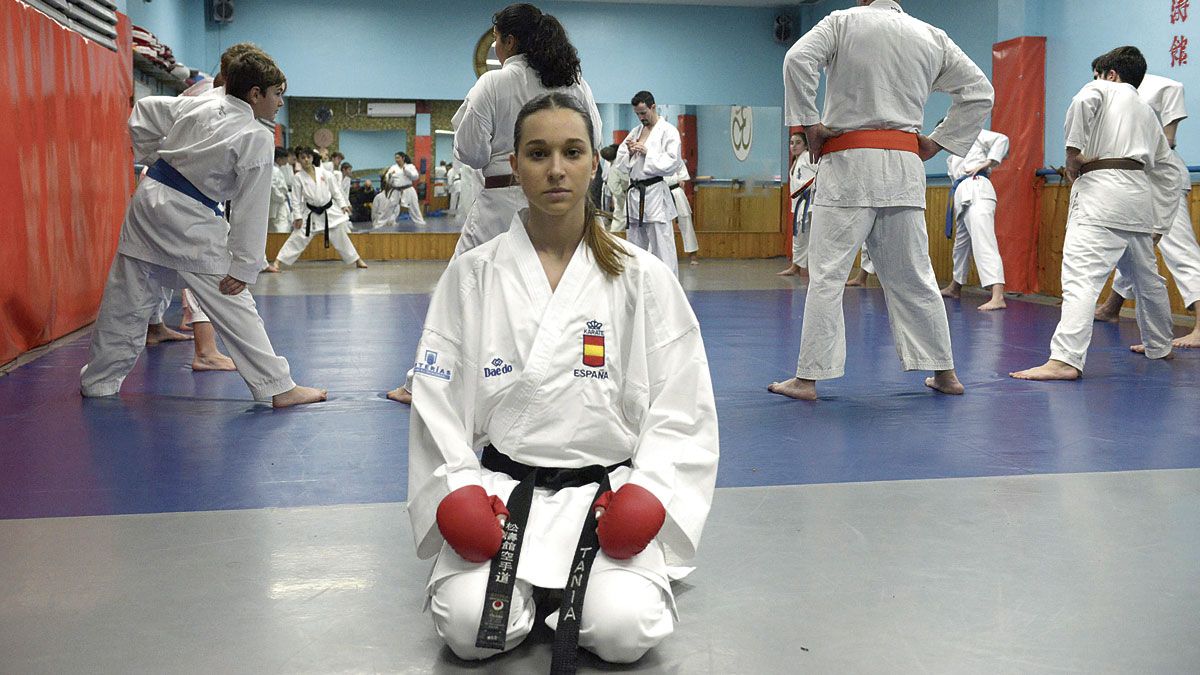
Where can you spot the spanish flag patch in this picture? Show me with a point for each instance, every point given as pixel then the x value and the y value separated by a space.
pixel 593 345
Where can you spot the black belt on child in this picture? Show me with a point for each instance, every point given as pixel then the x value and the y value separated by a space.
pixel 493 625
pixel 640 186
pixel 320 211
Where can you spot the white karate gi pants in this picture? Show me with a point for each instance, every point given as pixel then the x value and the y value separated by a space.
pixel 191 308
pixel 624 613
pixel 1089 253
pixel 410 201
pixel 490 216
pixel 687 229
pixel 900 248
pixel 657 238
pixel 339 238
pixel 130 294
pixel 975 234
pixel 1180 252
pixel 619 216
pixel 800 242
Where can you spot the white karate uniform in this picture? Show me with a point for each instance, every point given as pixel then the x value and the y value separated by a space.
pixel 872 195
pixel 483 139
pixel 687 230
pixel 1112 216
pixel 384 210
pixel 169 239
pixel 345 185
pixel 663 159
pixel 280 215
pixel 500 362
pixel 1178 246
pixel 802 171
pixel 617 182
pixel 316 190
pixel 975 211
pixel 403 192
pixel 454 187
pixel 470 184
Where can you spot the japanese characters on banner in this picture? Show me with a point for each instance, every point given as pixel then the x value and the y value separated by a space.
pixel 1179 43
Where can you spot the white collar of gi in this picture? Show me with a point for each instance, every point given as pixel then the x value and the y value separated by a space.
pixel 887 4
pixel 238 103
pixel 516 60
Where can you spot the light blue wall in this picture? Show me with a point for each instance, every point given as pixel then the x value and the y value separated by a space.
pixel 443 148
pixel 1079 30
pixel 371 149
pixel 419 49
pixel 715 156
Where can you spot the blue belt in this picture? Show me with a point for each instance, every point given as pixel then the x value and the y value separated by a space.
pixel 167 175
pixel 950 201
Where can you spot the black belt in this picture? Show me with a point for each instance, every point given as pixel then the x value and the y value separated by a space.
pixel 503 181
pixel 320 211
pixel 640 186
pixel 493 625
pixel 672 186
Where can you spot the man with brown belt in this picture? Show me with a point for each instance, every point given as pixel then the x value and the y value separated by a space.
pixel 881 66
pixel 1123 197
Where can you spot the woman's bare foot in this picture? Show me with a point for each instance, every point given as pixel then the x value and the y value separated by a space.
pixel 217 361
pixel 1050 370
pixel 1141 349
pixel 158 332
pixel 801 390
pixel 954 290
pixel 360 264
pixel 859 279
pixel 273 268
pixel 945 381
pixel 1110 309
pixel 1189 341
pixel 298 395
pixel 793 270
pixel 400 395
pixel 993 304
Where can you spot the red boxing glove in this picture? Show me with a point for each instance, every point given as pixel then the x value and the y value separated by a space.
pixel 467 519
pixel 632 517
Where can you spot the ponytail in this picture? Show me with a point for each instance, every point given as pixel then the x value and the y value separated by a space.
pixel 543 41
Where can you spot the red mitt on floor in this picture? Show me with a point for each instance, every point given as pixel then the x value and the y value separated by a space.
pixel 467 519
pixel 632 517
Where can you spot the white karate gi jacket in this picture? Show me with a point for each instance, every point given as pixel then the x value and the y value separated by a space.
pixel 881 66
pixel 1165 97
pixel 500 361
pixel 218 145
pixel 1108 120
pixel 990 146
pixel 663 158
pixel 280 191
pixel 325 187
pixel 399 178
pixel 484 124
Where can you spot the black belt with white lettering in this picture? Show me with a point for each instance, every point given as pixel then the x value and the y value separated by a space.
pixel 640 186
pixel 493 625
pixel 320 211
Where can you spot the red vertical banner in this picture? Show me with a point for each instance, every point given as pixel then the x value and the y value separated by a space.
pixel 687 142
pixel 1019 76
pixel 65 103
pixel 619 135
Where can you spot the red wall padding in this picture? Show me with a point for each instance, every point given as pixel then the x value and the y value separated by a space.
pixel 1019 76
pixel 64 103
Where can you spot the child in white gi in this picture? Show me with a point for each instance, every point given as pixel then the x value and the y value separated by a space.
pixel 973 211
pixel 202 151
pixel 1124 196
pixel 559 317
pixel 800 182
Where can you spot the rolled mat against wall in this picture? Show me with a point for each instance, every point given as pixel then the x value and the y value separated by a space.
pixel 1019 76
pixel 64 102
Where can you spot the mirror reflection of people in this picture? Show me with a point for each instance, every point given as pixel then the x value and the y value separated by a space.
pixel 597 336
pixel 400 178
pixel 617 183
pixel 687 230
pixel 536 57
pixel 651 153
pixel 801 176
pixel 318 209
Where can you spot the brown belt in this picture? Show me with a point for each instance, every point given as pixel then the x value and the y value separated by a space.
pixel 507 180
pixel 1119 164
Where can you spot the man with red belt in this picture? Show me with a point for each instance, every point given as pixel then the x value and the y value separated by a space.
pixel 881 67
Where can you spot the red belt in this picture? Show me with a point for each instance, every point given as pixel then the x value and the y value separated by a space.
pixel 880 139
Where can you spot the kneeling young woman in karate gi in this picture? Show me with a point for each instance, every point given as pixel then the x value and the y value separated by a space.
pixel 573 360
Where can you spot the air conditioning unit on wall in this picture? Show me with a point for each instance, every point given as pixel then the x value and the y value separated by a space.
pixel 391 109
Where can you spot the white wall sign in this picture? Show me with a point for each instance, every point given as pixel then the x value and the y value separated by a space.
pixel 741 130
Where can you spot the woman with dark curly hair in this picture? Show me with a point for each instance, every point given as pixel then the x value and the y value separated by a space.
pixel 537 58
